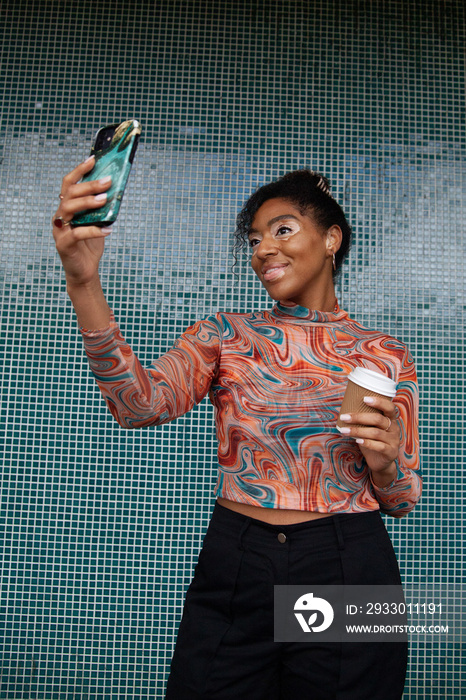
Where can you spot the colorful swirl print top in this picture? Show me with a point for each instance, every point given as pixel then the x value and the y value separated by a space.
pixel 276 379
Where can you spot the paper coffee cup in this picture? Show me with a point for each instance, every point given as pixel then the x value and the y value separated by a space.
pixel 365 382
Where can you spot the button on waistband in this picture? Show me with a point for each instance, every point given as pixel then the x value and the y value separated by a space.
pixel 282 537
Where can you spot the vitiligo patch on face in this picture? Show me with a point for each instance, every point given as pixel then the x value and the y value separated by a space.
pixel 280 228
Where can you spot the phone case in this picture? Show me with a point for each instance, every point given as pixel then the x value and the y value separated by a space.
pixel 115 160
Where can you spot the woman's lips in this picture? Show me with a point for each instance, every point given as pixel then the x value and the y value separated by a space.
pixel 274 273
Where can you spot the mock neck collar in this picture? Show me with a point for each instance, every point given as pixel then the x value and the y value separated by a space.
pixel 293 313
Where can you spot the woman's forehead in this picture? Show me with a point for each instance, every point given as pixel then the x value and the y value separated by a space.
pixel 273 210
pixel 274 220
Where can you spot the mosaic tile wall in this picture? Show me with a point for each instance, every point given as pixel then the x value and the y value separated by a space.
pixel 101 527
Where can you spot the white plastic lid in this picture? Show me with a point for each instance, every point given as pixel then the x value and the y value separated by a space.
pixel 374 381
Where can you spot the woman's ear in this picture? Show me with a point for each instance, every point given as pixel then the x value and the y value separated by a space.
pixel 334 238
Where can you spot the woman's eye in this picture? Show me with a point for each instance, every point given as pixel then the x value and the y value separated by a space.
pixel 253 242
pixel 283 230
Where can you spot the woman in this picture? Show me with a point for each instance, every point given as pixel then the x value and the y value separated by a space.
pixel 298 502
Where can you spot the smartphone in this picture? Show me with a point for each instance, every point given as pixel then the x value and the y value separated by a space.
pixel 114 148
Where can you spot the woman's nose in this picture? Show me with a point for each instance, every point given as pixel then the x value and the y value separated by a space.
pixel 267 246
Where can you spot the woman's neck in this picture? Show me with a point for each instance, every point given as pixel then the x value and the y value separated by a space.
pixel 322 300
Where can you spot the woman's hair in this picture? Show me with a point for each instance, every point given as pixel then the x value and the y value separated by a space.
pixel 310 193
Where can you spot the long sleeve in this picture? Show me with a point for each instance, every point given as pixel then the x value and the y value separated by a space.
pixel 400 497
pixel 168 388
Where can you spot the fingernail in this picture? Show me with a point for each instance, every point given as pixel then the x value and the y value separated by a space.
pixel 106 229
pixel 360 441
pixel 104 180
pixel 88 159
pixel 345 416
pixel 101 197
pixel 345 430
pixel 368 399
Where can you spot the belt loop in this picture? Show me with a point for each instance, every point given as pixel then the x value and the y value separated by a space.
pixel 242 532
pixel 338 532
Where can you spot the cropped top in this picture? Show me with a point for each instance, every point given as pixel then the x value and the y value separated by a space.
pixel 276 379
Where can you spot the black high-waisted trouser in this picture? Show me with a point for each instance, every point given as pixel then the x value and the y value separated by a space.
pixel 225 647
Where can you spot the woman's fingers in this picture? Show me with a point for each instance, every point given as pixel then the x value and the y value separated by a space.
pixel 377 434
pixel 76 174
pixel 383 419
pixel 71 206
pixel 386 406
pixel 377 421
pixel 91 187
pixel 77 196
pixel 368 433
pixel 380 426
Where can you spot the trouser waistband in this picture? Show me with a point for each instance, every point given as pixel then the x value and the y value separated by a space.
pixel 322 532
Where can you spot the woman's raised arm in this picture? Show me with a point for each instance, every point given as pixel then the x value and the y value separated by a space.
pixel 81 248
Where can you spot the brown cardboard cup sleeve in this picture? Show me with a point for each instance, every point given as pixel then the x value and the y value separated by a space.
pixel 365 382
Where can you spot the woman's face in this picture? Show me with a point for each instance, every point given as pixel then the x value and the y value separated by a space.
pixel 291 256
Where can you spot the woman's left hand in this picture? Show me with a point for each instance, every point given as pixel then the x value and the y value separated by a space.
pixel 378 436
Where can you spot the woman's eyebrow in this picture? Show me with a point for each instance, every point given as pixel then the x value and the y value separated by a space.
pixel 282 217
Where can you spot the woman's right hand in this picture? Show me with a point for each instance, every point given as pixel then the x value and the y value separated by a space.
pixel 81 247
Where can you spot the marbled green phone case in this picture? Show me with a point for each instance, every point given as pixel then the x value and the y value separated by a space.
pixel 114 148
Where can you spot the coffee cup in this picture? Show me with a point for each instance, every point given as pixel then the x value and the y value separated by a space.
pixel 364 382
